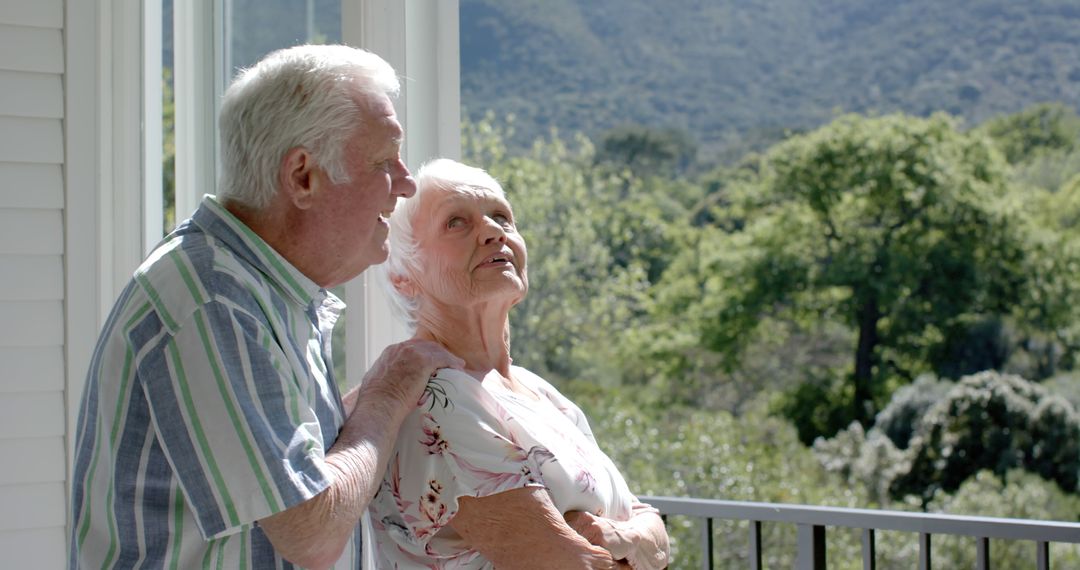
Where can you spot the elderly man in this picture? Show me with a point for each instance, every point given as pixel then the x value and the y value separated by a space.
pixel 212 432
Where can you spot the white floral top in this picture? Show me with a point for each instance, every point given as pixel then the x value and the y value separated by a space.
pixel 472 438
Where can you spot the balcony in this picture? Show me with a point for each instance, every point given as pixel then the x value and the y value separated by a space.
pixel 811 524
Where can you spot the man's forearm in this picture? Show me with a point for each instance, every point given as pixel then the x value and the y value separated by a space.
pixel 313 533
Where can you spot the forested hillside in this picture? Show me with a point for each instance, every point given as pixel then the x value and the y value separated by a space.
pixel 737 73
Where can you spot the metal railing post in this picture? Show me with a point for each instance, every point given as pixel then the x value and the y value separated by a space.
pixel 869 550
pixel 811 553
pixel 755 545
pixel 1042 555
pixel 707 544
pixel 982 553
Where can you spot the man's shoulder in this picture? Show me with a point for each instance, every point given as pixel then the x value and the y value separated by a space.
pixel 189 270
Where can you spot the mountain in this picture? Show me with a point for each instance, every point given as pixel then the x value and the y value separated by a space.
pixel 733 71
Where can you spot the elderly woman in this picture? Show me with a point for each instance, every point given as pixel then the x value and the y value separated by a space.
pixel 495 468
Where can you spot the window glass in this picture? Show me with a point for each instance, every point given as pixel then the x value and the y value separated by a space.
pixel 254 28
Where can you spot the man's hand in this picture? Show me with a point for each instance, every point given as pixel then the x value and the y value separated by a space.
pixel 401 372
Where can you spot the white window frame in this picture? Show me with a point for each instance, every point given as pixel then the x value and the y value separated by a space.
pixel 112 167
pixel 419 38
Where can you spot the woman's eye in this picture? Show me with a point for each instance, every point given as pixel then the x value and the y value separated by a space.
pixel 454 222
pixel 502 220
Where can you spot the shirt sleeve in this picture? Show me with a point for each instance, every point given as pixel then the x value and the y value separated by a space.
pixel 235 419
pixel 459 443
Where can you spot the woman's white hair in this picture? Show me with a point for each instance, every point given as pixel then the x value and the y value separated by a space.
pixel 305 96
pixel 404 259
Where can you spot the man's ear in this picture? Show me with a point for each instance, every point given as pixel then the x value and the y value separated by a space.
pixel 298 174
pixel 403 285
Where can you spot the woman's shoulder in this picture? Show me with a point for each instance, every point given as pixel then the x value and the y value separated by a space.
pixel 450 389
pixel 534 380
pixel 547 390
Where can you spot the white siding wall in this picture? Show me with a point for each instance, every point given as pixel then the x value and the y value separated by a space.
pixel 32 371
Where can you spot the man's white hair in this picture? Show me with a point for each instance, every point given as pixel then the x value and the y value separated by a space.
pixel 404 259
pixel 305 96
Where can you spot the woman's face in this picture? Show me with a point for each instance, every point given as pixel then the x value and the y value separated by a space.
pixel 469 248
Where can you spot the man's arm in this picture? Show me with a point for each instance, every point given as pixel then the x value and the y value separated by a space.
pixel 314 533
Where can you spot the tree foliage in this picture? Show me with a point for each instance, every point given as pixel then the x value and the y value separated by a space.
pixel 895 226
pixel 1035 131
pixel 995 422
pixel 646 151
pixel 935 435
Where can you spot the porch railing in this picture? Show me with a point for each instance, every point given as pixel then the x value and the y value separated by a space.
pixel 811 523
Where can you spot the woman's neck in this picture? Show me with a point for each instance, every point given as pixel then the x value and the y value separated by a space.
pixel 478 335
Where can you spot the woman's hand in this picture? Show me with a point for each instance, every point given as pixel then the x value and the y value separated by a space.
pixel 521 529
pixel 641 541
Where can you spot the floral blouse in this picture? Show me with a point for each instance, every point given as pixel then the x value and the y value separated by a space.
pixel 472 438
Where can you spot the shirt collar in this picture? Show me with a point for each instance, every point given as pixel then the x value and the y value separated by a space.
pixel 218 222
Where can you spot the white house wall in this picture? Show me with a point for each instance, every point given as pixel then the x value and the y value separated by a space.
pixel 32 371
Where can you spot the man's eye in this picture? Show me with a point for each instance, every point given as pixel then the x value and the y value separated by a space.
pixel 502 220
pixel 454 222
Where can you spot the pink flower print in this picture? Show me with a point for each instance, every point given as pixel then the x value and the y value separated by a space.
pixel 540 455
pixel 586 482
pixel 490 482
pixel 430 505
pixel 432 508
pixel 433 439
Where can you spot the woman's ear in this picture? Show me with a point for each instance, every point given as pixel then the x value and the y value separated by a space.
pixel 403 285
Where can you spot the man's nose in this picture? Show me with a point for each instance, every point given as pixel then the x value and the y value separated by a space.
pixel 402 184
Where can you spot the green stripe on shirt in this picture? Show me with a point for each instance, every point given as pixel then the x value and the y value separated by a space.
pixel 200 435
pixel 230 404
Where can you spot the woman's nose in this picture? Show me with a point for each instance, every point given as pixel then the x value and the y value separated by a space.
pixel 491 231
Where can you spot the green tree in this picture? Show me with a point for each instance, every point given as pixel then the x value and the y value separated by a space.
pixel 995 422
pixel 1039 129
pixel 896 226
pixel 647 151
pixel 168 151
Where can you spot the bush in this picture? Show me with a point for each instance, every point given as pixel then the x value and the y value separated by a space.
pixel 995 422
pixel 906 408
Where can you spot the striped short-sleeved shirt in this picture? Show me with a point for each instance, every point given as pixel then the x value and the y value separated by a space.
pixel 210 403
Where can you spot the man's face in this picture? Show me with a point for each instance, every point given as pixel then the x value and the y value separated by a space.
pixel 354 213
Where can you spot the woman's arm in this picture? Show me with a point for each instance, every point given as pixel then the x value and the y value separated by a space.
pixel 642 541
pixel 521 528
